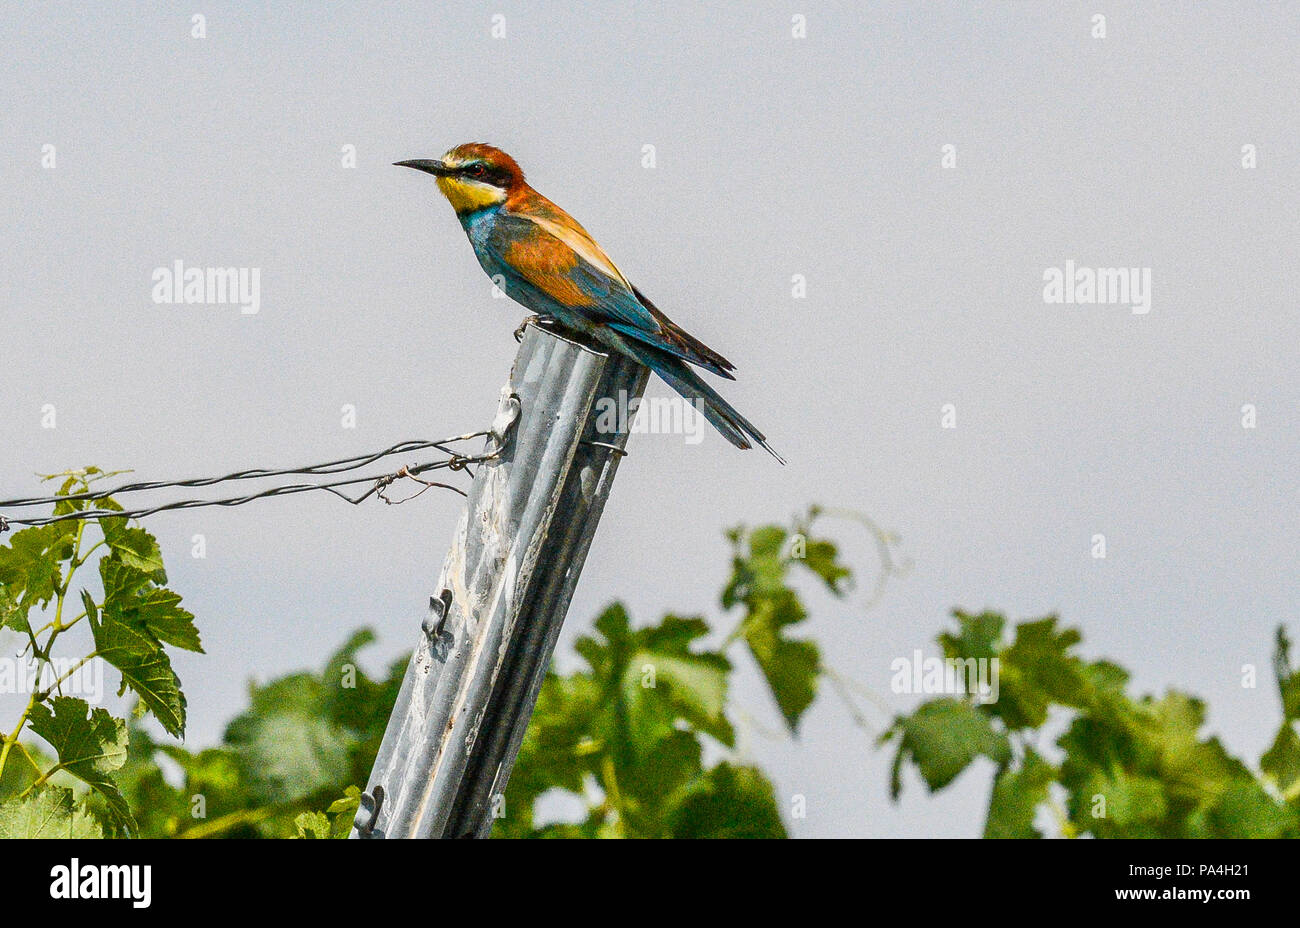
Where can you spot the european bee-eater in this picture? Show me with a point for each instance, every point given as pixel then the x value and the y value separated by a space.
pixel 550 265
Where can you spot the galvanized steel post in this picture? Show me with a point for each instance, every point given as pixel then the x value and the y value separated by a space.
pixel 473 680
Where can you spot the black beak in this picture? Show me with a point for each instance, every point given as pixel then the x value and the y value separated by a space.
pixel 436 168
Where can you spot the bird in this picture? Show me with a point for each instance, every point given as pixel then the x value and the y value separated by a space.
pixel 544 260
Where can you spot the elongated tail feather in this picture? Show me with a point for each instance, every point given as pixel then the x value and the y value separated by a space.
pixel 722 415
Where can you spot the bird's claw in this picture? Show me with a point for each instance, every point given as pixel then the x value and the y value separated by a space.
pixel 532 320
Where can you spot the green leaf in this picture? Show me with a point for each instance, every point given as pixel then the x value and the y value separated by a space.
pixel 88 748
pixel 1017 794
pixel 49 812
pixel 822 558
pixel 30 571
pixel 1245 810
pixel 335 822
pixel 943 737
pixel 646 787
pixel 130 597
pixel 1134 805
pixel 664 680
pixel 143 663
pixel 759 582
pixel 352 699
pixel 728 802
pixel 556 751
pixel 161 809
pixel 12 614
pixel 791 669
pixel 767 551
pixel 23 767
pixel 296 693
pixel 632 726
pixel 759 567
pixel 212 771
pixel 312 825
pixel 287 756
pixel 980 636
pixel 343 812
pixel 1196 770
pixel 1281 762
pixel 1158 777
pixel 1037 670
pixel 790 666
pixel 1288 678
pixel 696 683
pixel 134 547
pixel 652 679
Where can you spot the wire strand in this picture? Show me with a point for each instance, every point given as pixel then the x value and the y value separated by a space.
pixel 329 467
pixel 455 462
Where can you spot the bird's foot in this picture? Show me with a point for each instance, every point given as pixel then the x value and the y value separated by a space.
pixel 532 320
pixel 519 332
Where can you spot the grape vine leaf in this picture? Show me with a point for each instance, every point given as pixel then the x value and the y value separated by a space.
pixel 50 812
pixel 89 748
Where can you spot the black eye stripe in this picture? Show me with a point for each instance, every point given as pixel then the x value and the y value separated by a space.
pixel 483 172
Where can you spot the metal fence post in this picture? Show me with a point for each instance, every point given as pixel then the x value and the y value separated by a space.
pixel 519 548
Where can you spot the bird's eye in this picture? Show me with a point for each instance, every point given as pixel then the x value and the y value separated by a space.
pixel 477 170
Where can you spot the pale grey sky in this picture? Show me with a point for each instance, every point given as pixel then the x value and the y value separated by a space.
pixel 775 156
